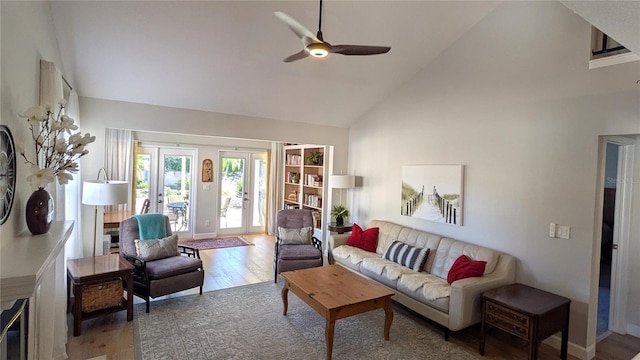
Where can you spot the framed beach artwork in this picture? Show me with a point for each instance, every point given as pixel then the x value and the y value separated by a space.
pixel 433 192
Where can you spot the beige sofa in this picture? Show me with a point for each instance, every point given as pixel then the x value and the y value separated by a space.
pixel 454 306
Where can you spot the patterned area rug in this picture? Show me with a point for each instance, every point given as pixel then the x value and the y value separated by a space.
pixel 217 243
pixel 247 323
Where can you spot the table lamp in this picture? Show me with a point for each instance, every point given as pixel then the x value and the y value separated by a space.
pixel 342 182
pixel 103 192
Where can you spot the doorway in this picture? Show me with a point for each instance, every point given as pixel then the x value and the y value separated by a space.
pixel 242 192
pixel 164 176
pixel 616 210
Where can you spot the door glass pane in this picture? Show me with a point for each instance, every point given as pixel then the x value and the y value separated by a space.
pixel 259 192
pixel 143 170
pixel 232 192
pixel 177 172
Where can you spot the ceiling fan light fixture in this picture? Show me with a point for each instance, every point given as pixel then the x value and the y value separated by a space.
pixel 318 50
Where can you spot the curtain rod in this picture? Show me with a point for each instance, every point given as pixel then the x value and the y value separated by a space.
pixel 66 82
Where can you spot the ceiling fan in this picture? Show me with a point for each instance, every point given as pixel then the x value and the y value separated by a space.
pixel 315 45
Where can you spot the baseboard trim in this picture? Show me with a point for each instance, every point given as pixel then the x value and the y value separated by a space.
pixel 633 330
pixel 205 236
pixel 573 349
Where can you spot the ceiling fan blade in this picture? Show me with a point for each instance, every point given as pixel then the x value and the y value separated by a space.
pixel 297 56
pixel 296 27
pixel 359 49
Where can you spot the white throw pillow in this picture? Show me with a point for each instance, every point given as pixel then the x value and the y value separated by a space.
pixel 295 236
pixel 157 249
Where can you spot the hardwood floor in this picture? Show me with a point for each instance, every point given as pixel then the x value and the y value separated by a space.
pixel 112 336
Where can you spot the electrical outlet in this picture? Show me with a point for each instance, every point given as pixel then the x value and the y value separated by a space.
pixel 207 223
pixel 552 230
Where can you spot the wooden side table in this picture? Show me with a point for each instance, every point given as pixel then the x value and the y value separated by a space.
pixel 340 229
pixel 528 313
pixel 94 270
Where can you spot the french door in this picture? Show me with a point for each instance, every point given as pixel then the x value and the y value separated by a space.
pixel 164 176
pixel 242 192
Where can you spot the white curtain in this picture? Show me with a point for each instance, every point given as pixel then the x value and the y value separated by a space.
pixel 51 92
pixel 276 174
pixel 74 189
pixel 119 160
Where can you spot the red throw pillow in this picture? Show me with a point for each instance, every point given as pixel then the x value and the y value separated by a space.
pixel 464 267
pixel 365 240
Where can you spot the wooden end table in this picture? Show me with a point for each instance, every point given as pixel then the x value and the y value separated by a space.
pixel 336 293
pixel 528 313
pixel 94 270
pixel 340 229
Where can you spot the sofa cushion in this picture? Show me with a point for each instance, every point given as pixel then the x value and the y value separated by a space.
pixel 421 239
pixel 410 256
pixel 351 256
pixel 387 234
pixel 364 239
pixel 449 251
pixel 384 271
pixel 427 289
pixel 432 287
pixel 464 268
pixel 157 248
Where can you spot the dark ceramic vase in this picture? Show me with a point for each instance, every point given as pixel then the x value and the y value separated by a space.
pixel 339 221
pixel 39 212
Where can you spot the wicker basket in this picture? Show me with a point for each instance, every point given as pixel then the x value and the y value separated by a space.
pixel 102 296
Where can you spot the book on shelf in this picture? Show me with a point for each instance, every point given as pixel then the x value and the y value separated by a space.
pixel 314 180
pixel 312 200
pixel 293 159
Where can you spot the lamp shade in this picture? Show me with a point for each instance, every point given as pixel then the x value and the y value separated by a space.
pixel 95 192
pixel 342 181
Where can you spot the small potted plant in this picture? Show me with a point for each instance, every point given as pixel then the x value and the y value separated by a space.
pixel 314 158
pixel 339 212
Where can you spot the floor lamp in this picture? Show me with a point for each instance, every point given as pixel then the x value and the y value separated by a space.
pixel 101 193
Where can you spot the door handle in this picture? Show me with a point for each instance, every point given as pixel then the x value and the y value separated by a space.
pixel 615 246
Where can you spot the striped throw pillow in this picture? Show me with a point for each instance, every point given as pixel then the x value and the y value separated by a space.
pixel 406 255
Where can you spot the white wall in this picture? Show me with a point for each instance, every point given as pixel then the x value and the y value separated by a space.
pixel 514 102
pixel 98 114
pixel 27 37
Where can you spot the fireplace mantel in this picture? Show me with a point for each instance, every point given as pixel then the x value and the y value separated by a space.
pixel 24 260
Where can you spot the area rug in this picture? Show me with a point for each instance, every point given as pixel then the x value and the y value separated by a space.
pixel 216 243
pixel 247 323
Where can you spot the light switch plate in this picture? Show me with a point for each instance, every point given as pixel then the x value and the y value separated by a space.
pixel 563 231
pixel 552 230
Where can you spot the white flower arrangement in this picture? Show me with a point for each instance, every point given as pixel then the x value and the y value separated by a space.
pixel 55 156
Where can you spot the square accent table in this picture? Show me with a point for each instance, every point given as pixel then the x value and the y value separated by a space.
pixel 335 293
pixel 95 270
pixel 527 313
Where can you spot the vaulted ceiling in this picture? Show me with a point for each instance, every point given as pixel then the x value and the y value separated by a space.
pixel 226 56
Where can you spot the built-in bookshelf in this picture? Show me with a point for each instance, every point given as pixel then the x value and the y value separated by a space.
pixel 304 179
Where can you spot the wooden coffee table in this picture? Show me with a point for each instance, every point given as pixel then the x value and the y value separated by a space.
pixel 336 293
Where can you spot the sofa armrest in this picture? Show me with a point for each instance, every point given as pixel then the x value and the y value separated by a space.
pixel 465 303
pixel 335 241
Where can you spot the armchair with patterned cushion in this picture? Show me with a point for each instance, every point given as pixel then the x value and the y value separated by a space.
pixel 296 247
pixel 162 266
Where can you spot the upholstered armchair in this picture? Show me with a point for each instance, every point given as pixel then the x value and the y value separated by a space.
pixel 160 269
pixel 296 247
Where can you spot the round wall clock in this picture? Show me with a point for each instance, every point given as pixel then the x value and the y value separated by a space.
pixel 7 172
